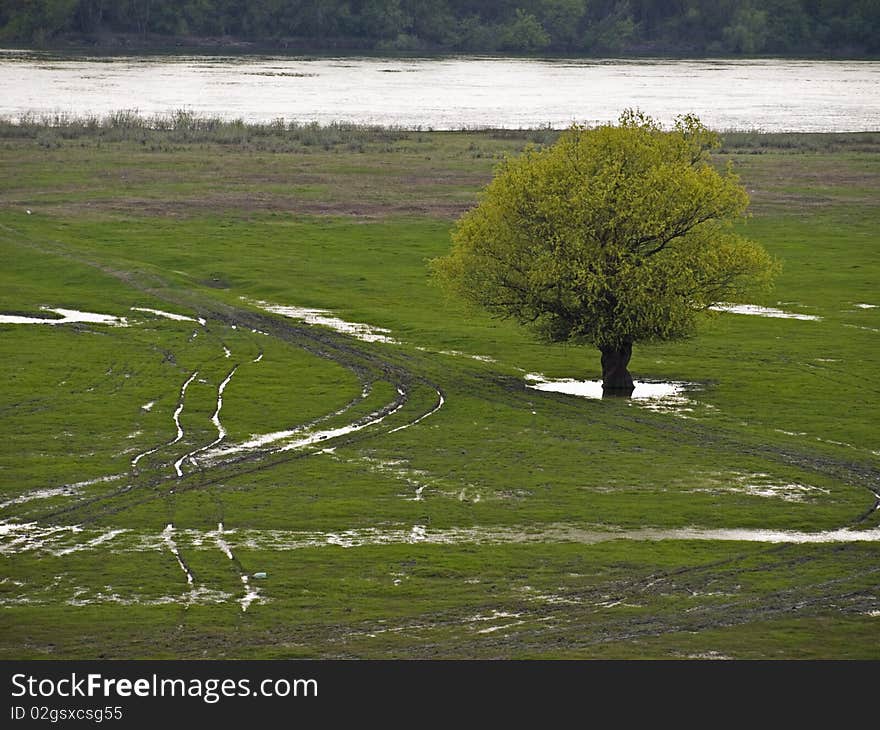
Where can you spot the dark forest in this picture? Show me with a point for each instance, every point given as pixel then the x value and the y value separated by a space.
pixel 840 28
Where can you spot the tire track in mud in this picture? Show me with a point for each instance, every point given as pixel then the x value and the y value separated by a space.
pixel 171 544
pixel 175 417
pixel 215 419
pixel 441 400
pixel 367 365
pixel 251 593
pixel 133 495
pixel 156 486
pixel 370 367
pixel 852 473
pixel 577 619
pixel 856 474
pixel 802 601
pixel 579 625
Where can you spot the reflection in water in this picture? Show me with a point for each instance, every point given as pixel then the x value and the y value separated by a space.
pixel 20 537
pixel 757 311
pixel 66 316
pixel 451 92
pixel 326 318
pixel 169 315
pixel 593 388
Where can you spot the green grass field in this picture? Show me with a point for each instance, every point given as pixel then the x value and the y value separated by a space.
pixel 737 520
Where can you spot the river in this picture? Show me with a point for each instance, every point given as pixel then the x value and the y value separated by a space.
pixel 449 92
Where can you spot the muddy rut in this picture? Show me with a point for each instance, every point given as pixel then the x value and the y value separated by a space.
pixel 564 623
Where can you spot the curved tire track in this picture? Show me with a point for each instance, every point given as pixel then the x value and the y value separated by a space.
pixel 175 418
pixel 367 365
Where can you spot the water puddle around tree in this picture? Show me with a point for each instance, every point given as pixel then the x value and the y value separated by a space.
pixel 644 390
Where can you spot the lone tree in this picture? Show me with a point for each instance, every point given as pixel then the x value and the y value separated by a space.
pixel 611 236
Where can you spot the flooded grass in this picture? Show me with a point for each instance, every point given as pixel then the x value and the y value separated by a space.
pixel 431 501
pixel 643 390
pixel 65 316
pixel 757 311
pixel 185 127
pixel 325 318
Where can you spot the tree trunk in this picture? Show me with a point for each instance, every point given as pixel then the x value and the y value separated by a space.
pixel 616 379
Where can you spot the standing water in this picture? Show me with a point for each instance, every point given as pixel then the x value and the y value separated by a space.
pixel 452 92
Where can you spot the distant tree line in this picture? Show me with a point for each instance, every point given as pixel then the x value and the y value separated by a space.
pixel 594 27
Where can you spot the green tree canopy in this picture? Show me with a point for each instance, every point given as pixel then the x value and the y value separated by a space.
pixel 611 236
pixel 640 27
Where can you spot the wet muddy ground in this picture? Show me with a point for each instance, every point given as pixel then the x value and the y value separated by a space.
pixel 339 463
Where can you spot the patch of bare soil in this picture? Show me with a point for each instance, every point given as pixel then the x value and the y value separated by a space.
pixel 244 204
